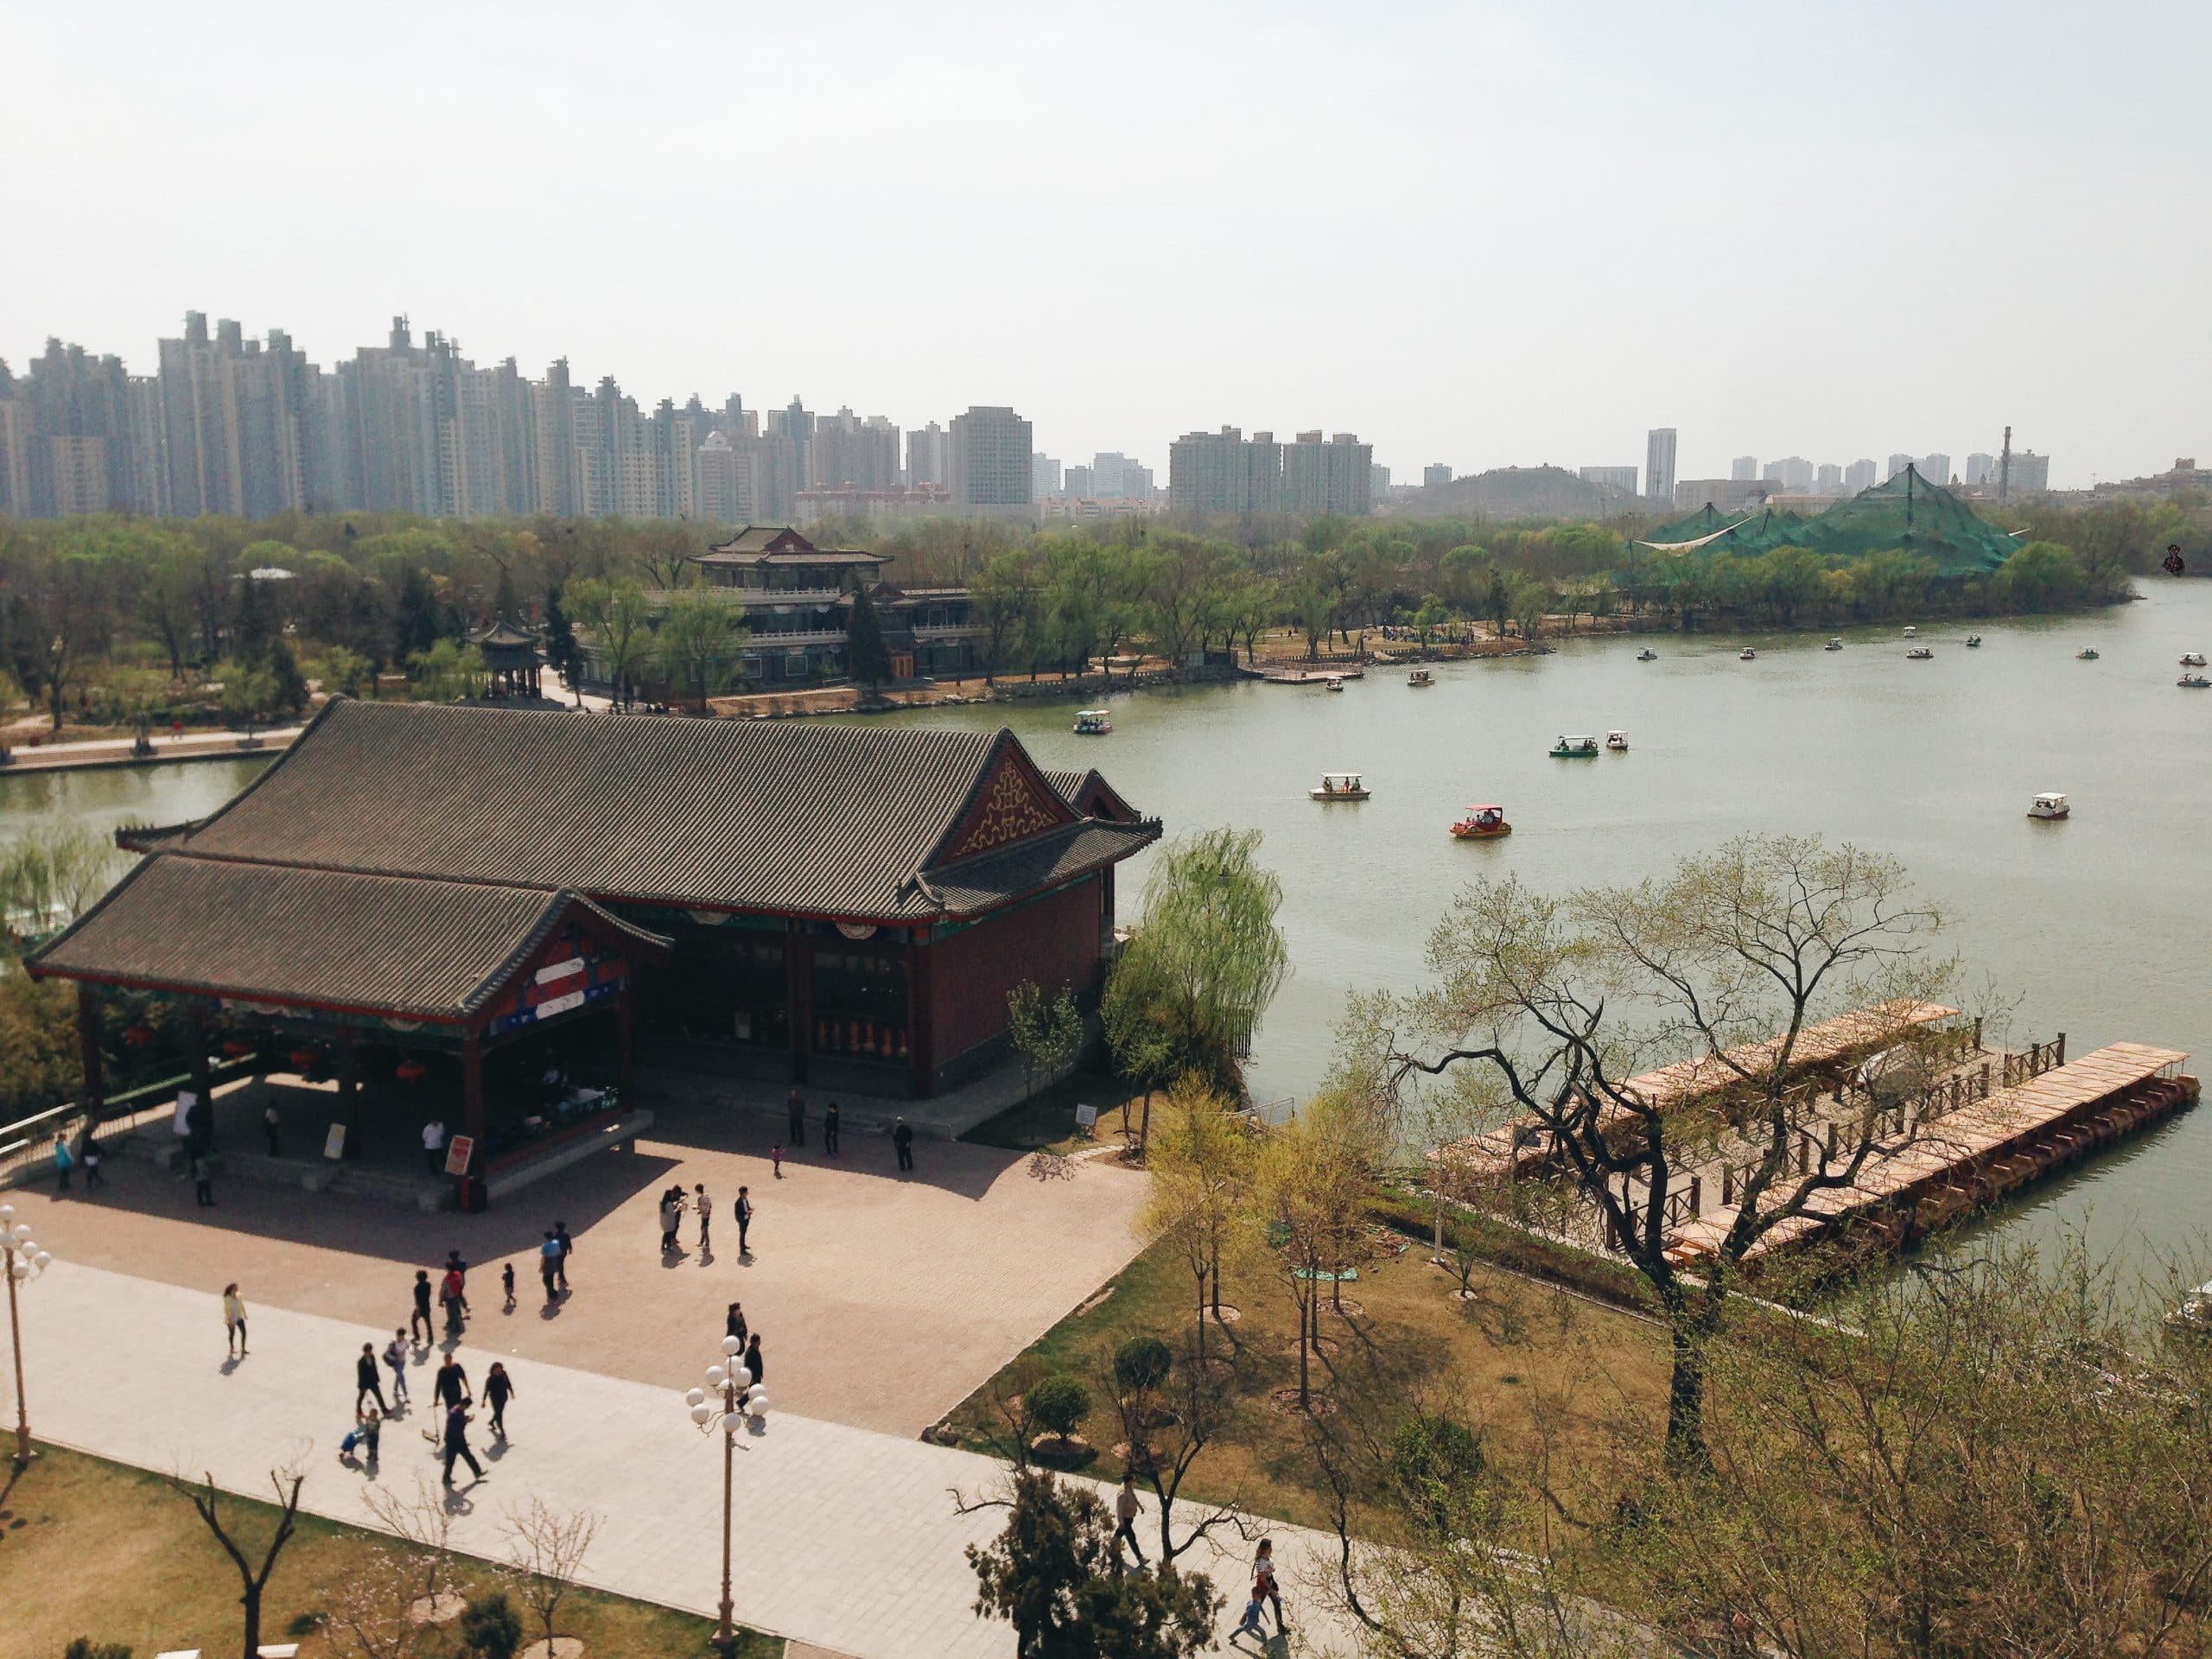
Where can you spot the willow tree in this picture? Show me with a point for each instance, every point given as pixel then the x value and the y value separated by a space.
pixel 617 616
pixel 1553 1006
pixel 1207 956
pixel 696 647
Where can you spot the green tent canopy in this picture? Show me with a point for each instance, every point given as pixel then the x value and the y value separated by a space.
pixel 1907 511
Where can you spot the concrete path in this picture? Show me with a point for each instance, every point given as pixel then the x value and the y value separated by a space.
pixel 845 1539
pixel 885 1297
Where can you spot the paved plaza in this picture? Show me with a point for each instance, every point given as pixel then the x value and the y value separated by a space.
pixel 884 1299
pixel 847 1540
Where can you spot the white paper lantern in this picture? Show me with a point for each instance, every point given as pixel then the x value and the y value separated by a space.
pixel 697 1396
pixel 7 1214
pixel 758 1391
pixel 733 1346
pixel 716 1376
pixel 701 1414
pixel 758 1404
pixel 23 1231
pixel 44 1261
pixel 733 1422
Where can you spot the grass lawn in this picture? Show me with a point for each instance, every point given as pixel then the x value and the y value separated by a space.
pixel 89 1548
pixel 1048 1122
pixel 1533 1365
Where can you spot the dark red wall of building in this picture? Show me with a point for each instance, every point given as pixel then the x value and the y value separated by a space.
pixel 1051 942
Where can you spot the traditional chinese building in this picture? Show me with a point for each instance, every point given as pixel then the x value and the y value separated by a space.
pixel 842 906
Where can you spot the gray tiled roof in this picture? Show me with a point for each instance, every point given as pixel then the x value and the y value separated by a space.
pixel 794 817
pixel 429 950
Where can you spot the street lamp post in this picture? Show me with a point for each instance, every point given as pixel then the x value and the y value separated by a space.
pixel 739 1403
pixel 19 1260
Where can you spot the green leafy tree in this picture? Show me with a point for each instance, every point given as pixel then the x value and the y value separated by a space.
pixel 561 640
pixel 448 672
pixel 865 657
pixel 1045 1031
pixel 250 694
pixel 1207 956
pixel 345 671
pixel 697 644
pixel 2043 575
pixel 1052 1575
pixel 617 619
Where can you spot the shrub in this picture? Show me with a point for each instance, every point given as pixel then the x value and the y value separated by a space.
pixel 1141 1364
pixel 1058 1404
pixel 490 1627
pixel 85 1648
pixel 1432 1462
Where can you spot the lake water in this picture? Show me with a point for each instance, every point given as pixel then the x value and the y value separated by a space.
pixel 2100 925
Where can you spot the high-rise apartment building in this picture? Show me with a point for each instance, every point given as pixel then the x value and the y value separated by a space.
pixel 1981 469
pixel 1793 473
pixel 1859 475
pixel 1438 472
pixel 726 491
pixel 1828 479
pixel 1044 477
pixel 1378 479
pixel 1613 478
pixel 1079 483
pixel 1659 464
pixel 1898 464
pixel 1743 469
pixel 2029 473
pixel 848 453
pixel 1221 471
pixel 1935 468
pixel 929 457
pixel 991 455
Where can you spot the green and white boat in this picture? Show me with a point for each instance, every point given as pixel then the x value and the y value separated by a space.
pixel 1575 748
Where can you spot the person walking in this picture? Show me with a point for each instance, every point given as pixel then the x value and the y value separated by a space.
pixel 234 1321
pixel 367 1434
pixel 203 1181
pixel 498 1389
pixel 902 1139
pixel 457 1443
pixel 734 1324
pixel 92 1176
pixel 776 1158
pixel 65 1161
pixel 420 1326
pixel 1263 1579
pixel 795 1111
pixel 450 1299
pixel 568 1245
pixel 671 1213
pixel 395 1355
pixel 451 1388
pixel 1251 1620
pixel 433 1145
pixel 1126 1510
pixel 549 1263
pixel 755 1366
pixel 705 1207
pixel 269 1126
pixel 367 1383
pixel 744 1220
pixel 507 1285
pixel 457 1270
pixel 829 1130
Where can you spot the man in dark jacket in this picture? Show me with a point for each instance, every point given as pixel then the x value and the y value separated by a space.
pixel 795 1109
pixel 366 1381
pixel 453 1384
pixel 829 1130
pixel 902 1138
pixel 457 1443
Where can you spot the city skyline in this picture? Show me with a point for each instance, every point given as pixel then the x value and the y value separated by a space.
pixel 841 451
pixel 1989 292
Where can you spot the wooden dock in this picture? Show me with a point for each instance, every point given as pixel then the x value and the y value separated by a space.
pixel 1968 1158
pixel 1309 676
pixel 1843 1041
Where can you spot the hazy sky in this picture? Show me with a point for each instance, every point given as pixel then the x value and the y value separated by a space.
pixel 1483 234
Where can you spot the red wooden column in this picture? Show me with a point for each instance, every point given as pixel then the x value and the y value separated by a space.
pixel 921 1012
pixel 88 1048
pixel 624 1032
pixel 349 1093
pixel 472 1094
pixel 203 1084
pixel 798 995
